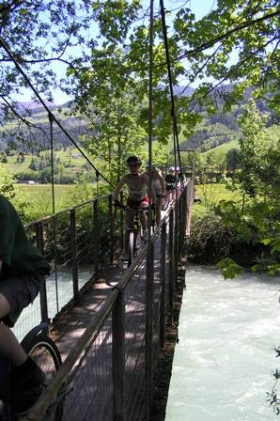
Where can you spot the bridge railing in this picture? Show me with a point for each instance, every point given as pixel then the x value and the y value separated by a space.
pixel 77 242
pixel 109 373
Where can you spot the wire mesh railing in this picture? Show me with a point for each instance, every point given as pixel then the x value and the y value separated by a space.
pixel 76 242
pixel 109 373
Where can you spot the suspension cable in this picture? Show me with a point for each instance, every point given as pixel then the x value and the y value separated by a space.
pixel 149 261
pixel 150 96
pixel 54 220
pixel 170 78
pixel 17 65
pixel 52 162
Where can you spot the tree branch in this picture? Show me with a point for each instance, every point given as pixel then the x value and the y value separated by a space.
pixel 212 42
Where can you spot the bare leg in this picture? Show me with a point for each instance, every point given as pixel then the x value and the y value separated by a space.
pixel 144 219
pixel 158 210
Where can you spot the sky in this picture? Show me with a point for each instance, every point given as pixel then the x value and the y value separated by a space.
pixel 199 8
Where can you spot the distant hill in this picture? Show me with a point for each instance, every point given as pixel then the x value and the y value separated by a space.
pixel 215 130
pixel 35 106
pixel 223 128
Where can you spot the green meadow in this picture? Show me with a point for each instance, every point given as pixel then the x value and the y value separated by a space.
pixel 43 199
pixel 70 157
pixel 210 195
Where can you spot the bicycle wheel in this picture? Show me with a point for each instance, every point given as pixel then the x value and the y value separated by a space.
pixel 46 355
pixel 167 201
pixel 131 245
pixel 138 240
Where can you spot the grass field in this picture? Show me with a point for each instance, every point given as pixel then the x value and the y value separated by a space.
pixel 70 157
pixel 222 150
pixel 40 203
pixel 210 195
pixel 39 198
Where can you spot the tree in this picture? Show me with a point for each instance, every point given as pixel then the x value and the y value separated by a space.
pixel 108 101
pixel 243 48
pixel 232 159
pixel 9 189
pixel 259 177
pixel 255 220
pixel 35 34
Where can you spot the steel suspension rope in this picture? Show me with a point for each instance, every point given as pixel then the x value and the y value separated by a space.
pixel 149 265
pixel 170 78
pixel 53 207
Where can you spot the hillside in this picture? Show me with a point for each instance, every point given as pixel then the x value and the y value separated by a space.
pixel 28 147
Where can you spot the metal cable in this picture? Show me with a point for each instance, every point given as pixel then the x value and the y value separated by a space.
pixel 173 113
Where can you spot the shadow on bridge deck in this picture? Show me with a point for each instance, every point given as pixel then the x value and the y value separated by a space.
pixel 71 322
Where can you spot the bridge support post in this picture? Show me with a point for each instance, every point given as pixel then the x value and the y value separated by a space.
pixel 43 291
pixel 163 281
pixel 149 324
pixel 118 354
pixel 96 238
pixel 171 262
pixel 74 254
pixel 111 228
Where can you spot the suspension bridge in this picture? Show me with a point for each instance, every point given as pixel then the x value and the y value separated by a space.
pixel 108 321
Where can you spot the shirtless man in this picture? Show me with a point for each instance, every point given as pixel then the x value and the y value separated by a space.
pixel 137 184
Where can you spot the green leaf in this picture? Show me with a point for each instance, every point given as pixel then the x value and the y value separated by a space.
pixel 229 268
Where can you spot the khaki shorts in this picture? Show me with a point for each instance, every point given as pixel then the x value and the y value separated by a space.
pixel 19 291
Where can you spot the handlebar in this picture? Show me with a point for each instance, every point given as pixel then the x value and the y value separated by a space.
pixel 119 205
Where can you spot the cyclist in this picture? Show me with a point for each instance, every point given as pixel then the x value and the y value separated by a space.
pixel 22 272
pixel 137 184
pixel 181 179
pixel 158 186
pixel 170 183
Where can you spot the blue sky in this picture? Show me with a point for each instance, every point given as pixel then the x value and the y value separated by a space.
pixel 202 7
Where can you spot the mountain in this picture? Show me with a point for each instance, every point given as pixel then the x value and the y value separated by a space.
pixel 179 90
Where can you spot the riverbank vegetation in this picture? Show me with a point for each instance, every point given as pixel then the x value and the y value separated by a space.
pixel 243 230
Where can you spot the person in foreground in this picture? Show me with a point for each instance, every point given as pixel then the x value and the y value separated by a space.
pixel 137 184
pixel 22 272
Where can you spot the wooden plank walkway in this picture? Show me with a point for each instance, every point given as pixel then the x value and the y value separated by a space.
pixel 71 323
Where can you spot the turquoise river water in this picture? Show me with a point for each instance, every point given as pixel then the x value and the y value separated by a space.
pixel 225 357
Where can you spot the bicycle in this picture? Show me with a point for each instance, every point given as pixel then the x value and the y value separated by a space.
pixel 40 347
pixel 169 196
pixel 135 232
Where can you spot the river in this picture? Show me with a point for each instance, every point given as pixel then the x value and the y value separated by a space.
pixel 223 363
